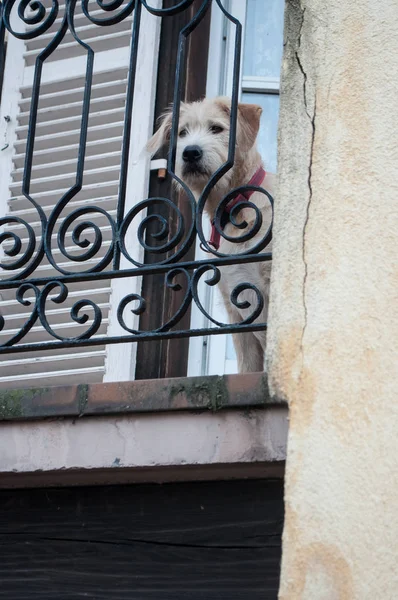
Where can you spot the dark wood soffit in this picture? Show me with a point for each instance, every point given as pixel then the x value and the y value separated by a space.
pixel 196 541
pixel 145 396
pixel 138 475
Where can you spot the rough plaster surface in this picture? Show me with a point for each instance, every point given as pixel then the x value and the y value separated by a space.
pixel 144 441
pixel 334 307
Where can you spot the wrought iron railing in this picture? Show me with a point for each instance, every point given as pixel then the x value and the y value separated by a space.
pixel 23 254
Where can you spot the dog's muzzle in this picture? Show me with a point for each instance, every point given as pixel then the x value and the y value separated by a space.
pixel 193 165
pixel 192 154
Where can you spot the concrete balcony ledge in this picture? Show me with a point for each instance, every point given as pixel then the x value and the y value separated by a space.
pixel 159 430
pixel 144 396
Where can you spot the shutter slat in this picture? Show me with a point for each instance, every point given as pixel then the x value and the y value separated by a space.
pixel 59 87
pixel 106 189
pixel 8 295
pixel 99 295
pixel 73 109
pixel 45 184
pixel 36 354
pixel 47 378
pixel 68 152
pixel 105 230
pixel 99 43
pixel 64 167
pixel 84 30
pixel 69 329
pixel 61 125
pixel 63 138
pixel 31 213
pixel 60 315
pixel 46 270
pixel 61 260
pixel 25 366
pixel 99 90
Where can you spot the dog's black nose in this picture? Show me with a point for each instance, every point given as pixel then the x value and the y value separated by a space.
pixel 192 154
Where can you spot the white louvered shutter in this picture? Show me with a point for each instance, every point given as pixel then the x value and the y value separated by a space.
pixel 54 171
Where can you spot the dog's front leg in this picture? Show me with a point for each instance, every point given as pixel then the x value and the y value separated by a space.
pixel 249 352
pixel 248 346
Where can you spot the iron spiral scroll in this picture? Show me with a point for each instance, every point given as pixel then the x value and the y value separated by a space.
pixel 24 250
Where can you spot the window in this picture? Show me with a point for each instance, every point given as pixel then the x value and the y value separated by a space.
pixel 260 66
pixel 54 172
pixel 63 84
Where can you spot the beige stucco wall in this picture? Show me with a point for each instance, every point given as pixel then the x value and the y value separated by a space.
pixel 334 309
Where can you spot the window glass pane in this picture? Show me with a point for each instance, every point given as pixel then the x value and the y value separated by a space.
pixel 267 145
pixel 230 351
pixel 262 57
pixel 263 38
pixel 267 137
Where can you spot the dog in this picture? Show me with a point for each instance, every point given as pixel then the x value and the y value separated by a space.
pixel 202 147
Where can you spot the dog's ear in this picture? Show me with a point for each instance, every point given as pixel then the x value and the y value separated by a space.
pixel 162 135
pixel 249 120
pixel 225 104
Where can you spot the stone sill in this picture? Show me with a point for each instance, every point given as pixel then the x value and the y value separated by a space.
pixel 211 393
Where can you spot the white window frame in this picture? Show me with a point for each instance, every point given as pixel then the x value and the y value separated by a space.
pixel 120 363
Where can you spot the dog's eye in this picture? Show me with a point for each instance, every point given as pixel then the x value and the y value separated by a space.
pixel 216 129
pixel 183 133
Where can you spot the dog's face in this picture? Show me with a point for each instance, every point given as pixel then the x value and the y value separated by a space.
pixel 203 138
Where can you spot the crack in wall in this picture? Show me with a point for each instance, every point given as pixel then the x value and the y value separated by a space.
pixel 305 226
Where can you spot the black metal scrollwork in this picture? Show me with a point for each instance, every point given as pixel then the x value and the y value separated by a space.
pixel 40 17
pixel 76 311
pixel 109 7
pixel 167 240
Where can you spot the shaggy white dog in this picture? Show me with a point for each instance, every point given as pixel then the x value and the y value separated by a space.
pixel 203 138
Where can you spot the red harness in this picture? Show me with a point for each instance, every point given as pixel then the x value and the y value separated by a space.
pixel 256 181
